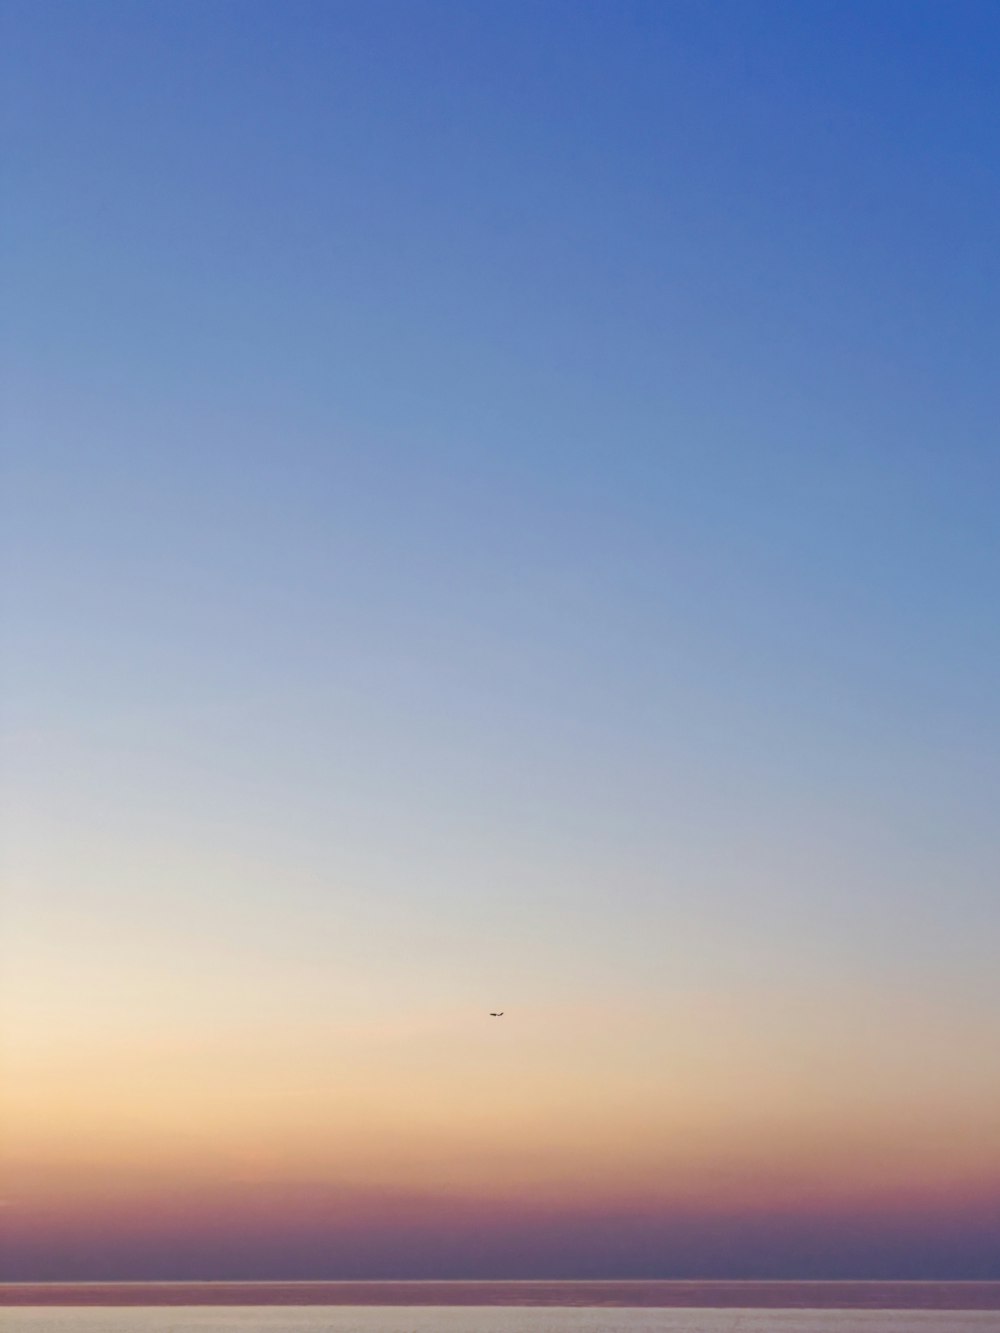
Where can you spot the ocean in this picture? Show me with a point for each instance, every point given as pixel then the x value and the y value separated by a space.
pixel 484 1319
pixel 503 1307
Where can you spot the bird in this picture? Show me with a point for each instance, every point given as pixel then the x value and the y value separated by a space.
pixel 499 1015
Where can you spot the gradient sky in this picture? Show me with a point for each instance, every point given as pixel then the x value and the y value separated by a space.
pixel 501 512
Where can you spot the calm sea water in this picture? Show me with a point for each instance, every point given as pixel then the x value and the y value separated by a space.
pixel 502 1307
pixel 483 1319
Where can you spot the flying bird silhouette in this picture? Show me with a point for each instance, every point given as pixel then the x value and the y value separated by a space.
pixel 499 1015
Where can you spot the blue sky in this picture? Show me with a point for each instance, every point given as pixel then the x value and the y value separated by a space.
pixel 508 484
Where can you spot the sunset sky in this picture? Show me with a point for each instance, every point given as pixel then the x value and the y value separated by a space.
pixel 502 511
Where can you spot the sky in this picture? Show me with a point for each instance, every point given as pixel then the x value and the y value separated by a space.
pixel 501 513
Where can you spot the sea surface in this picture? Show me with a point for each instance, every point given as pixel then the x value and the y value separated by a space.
pixel 502 1307
pixel 483 1319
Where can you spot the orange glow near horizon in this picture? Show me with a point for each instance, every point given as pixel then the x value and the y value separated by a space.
pixel 602 1111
